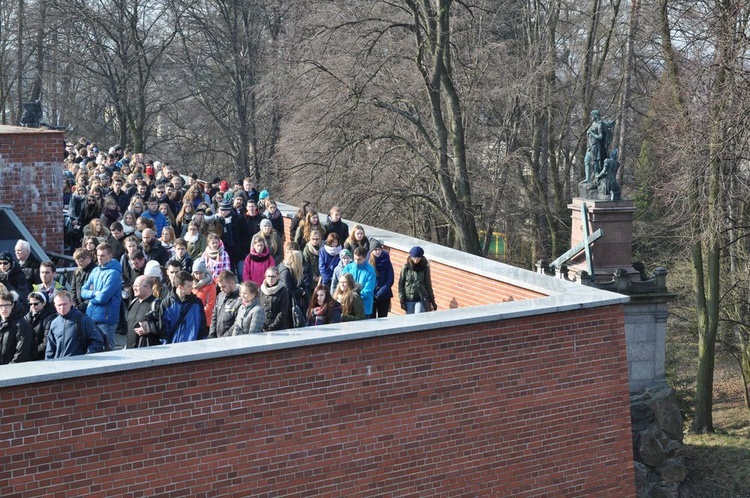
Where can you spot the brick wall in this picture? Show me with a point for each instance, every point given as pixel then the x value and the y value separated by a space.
pixel 454 287
pixel 31 180
pixel 534 406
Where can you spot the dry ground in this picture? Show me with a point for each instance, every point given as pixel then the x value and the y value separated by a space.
pixel 718 464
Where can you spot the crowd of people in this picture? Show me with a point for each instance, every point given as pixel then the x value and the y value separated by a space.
pixel 163 260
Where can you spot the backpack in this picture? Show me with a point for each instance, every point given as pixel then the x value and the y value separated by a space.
pixel 108 346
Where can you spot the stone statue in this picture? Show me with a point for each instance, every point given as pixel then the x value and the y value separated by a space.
pixel 599 139
pixel 607 178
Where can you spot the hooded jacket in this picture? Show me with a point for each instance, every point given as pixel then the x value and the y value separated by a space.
pixel 16 338
pixel 103 291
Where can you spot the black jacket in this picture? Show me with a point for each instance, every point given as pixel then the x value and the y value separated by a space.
pixel 15 280
pixel 276 307
pixel 16 337
pixel 40 325
pixel 148 315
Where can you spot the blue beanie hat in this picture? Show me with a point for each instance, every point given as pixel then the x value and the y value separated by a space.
pixel 416 252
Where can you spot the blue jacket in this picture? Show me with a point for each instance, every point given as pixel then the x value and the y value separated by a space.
pixel 62 340
pixel 385 277
pixel 326 265
pixel 364 275
pixel 160 221
pixel 103 291
pixel 192 328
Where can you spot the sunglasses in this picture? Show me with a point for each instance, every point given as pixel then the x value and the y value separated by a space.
pixel 34 303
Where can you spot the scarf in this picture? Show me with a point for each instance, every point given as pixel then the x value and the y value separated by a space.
pixel 312 249
pixel 270 291
pixel 127 228
pixel 192 238
pixel 259 258
pixel 333 251
pixel 213 254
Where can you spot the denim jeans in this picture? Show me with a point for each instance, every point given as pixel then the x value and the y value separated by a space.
pixel 109 329
pixel 414 307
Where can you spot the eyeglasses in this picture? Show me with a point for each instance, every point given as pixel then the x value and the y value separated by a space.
pixel 6 305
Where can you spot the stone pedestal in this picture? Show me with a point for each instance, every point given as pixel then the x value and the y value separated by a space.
pixel 611 252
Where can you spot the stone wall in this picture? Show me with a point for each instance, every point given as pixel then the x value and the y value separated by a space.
pixel 31 181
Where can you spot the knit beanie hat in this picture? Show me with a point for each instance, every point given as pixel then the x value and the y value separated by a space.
pixel 152 269
pixel 200 265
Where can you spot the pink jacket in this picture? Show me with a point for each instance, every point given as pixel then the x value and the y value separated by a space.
pixel 256 266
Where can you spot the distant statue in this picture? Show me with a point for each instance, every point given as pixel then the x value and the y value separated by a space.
pixel 32 114
pixel 599 137
pixel 599 183
pixel 607 178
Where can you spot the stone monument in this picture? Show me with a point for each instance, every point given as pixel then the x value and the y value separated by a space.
pixel 601 242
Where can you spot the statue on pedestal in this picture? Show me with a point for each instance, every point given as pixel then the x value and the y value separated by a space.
pixel 600 183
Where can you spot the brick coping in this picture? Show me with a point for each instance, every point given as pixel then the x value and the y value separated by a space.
pixel 560 295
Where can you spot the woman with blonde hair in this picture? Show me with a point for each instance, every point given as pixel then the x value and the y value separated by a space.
pixel 273 240
pixel 167 212
pixel 184 217
pixel 305 229
pixel 294 274
pixel 357 238
pixel 167 239
pixel 352 306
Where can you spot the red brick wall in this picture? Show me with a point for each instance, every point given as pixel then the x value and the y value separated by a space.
pixel 453 287
pixel 536 406
pixel 31 180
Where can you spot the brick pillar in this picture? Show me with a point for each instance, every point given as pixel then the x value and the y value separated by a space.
pixel 31 180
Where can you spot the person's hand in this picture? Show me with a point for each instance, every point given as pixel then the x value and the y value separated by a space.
pixel 403 305
pixel 434 306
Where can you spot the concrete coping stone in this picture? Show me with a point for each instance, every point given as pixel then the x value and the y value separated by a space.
pixel 561 296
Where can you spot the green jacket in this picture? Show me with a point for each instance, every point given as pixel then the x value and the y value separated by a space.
pixel 414 280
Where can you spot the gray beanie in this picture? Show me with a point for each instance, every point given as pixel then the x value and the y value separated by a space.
pixel 200 265
pixel 266 223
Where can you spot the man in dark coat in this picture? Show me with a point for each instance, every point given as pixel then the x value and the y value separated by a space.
pixel 16 335
pixel 12 277
pixel 234 234
pixel 227 305
pixel 144 325
pixel 27 262
pixel 153 249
